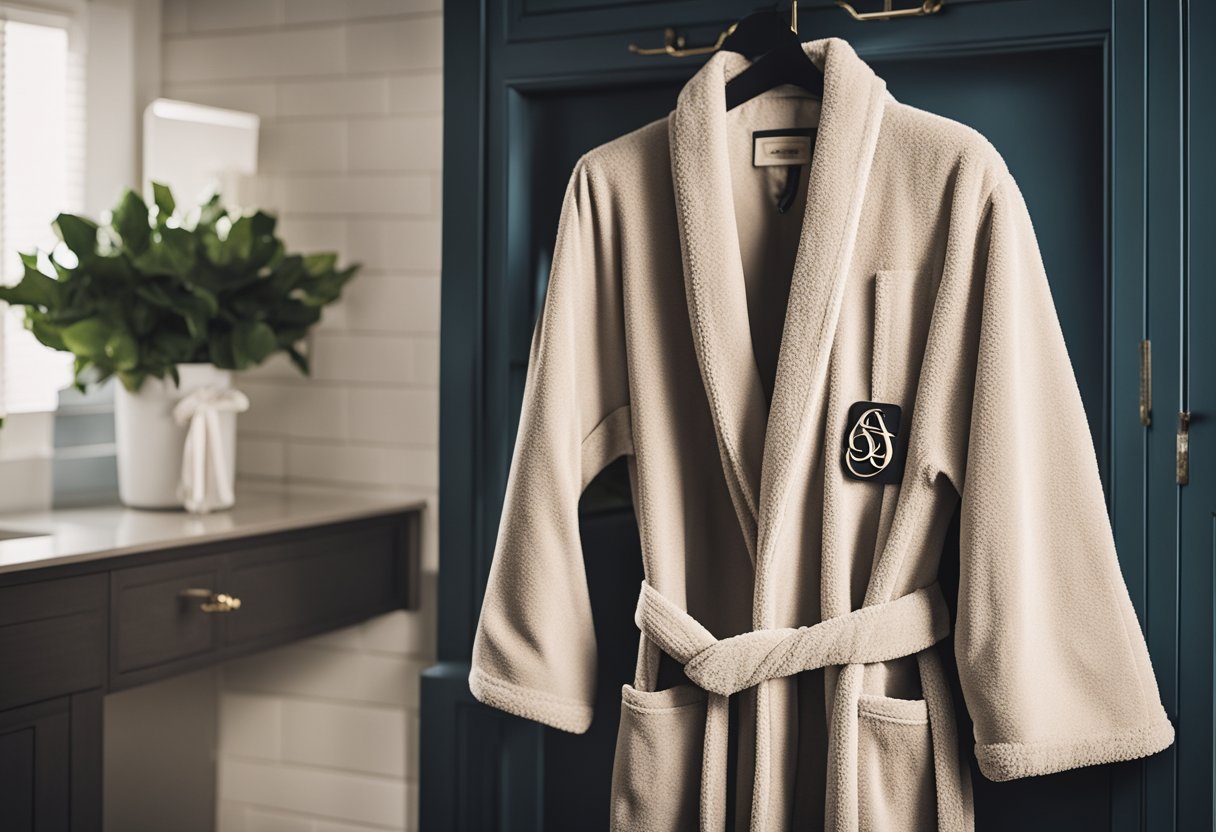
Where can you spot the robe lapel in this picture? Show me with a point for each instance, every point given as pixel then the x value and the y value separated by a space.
pixel 714 285
pixel 757 446
pixel 853 99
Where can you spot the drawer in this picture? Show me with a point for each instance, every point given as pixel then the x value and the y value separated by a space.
pixel 310 583
pixel 290 585
pixel 153 623
pixel 52 639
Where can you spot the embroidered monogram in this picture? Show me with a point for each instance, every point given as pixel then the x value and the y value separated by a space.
pixel 872 452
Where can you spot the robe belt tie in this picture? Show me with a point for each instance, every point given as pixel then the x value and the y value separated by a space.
pixel 906 626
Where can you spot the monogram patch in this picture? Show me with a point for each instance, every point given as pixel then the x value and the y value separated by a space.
pixel 872 451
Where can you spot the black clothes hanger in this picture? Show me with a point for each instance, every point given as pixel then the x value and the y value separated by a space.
pixel 781 58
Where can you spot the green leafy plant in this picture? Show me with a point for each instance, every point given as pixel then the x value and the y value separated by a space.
pixel 151 290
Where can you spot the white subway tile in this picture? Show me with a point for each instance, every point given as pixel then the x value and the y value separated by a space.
pixel 430 536
pixel 394 245
pixel 256 97
pixel 294 410
pixel 364 358
pixel 397 143
pixel 331 794
pixel 408 416
pixel 302 235
pixel 216 15
pixel 319 11
pixel 326 825
pixel 408 632
pixel 348 638
pixel 259 55
pixel 173 17
pixel 278 366
pixel 337 97
pixel 300 670
pixel 259 457
pixel 358 738
pixel 373 194
pixel 262 820
pixel 413 733
pixel 416 93
pixel 229 816
pixel 249 725
pixel 336 463
pixel 395 45
pixel 302 147
pixel 426 361
pixel 392 304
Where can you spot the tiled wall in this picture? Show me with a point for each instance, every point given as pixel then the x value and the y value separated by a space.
pixel 322 736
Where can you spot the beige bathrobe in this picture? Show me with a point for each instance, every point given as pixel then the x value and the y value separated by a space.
pixel 720 345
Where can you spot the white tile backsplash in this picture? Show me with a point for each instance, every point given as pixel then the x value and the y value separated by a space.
pixel 323 736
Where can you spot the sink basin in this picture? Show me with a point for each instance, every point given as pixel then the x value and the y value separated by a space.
pixel 18 534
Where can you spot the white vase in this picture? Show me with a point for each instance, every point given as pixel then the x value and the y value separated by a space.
pixel 150 442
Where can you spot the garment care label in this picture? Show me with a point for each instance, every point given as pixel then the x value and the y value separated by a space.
pixel 791 146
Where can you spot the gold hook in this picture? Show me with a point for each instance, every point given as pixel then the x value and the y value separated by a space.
pixel 794 16
pixel 673 45
pixel 888 13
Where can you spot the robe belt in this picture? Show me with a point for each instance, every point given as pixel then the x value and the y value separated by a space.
pixel 906 626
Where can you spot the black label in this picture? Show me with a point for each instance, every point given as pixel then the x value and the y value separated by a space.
pixel 872 449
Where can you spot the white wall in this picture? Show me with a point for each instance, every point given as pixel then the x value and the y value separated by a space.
pixel 322 736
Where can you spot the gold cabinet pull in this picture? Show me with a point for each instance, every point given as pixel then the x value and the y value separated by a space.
pixel 888 12
pixel 1146 383
pixel 212 601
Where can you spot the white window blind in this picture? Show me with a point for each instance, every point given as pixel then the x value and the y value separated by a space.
pixel 41 175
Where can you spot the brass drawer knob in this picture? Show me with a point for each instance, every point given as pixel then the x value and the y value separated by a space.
pixel 212 601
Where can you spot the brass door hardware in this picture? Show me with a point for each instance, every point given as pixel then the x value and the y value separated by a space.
pixel 212 601
pixel 1182 449
pixel 888 11
pixel 1146 383
pixel 675 45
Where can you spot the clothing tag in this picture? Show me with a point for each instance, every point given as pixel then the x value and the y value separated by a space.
pixel 791 146
pixel 872 451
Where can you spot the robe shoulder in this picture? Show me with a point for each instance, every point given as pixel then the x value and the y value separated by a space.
pixel 931 146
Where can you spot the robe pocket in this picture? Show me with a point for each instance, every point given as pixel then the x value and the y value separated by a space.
pixel 656 775
pixel 900 330
pixel 895 783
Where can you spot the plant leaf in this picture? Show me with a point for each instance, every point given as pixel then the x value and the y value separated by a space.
pixel 165 204
pixel 78 234
pixel 122 351
pixel 34 289
pixel 252 343
pixel 87 338
pixel 130 220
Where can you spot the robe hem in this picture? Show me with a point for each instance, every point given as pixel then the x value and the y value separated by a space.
pixel 1001 761
pixel 538 705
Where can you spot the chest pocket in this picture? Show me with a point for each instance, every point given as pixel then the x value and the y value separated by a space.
pixel 902 309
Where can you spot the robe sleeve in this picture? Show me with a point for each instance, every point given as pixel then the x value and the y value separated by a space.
pixel 534 653
pixel 1053 665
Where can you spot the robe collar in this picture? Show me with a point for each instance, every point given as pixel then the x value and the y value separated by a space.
pixel 758 445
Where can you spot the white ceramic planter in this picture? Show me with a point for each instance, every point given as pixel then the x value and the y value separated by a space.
pixel 150 442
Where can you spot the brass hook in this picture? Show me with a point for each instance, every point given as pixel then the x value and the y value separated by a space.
pixel 673 45
pixel 889 13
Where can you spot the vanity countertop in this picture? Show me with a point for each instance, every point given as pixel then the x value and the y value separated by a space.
pixel 36 540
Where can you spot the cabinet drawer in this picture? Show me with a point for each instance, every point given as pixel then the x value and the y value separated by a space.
pixel 307 584
pixel 52 639
pixel 153 623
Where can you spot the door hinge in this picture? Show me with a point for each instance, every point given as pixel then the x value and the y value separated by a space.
pixel 1182 458
pixel 1146 383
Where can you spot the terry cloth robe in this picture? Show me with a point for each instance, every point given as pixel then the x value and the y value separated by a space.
pixel 729 352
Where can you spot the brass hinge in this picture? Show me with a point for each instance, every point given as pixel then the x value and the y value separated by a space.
pixel 1146 383
pixel 1182 458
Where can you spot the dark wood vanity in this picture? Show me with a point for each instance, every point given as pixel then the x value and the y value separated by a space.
pixel 95 601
